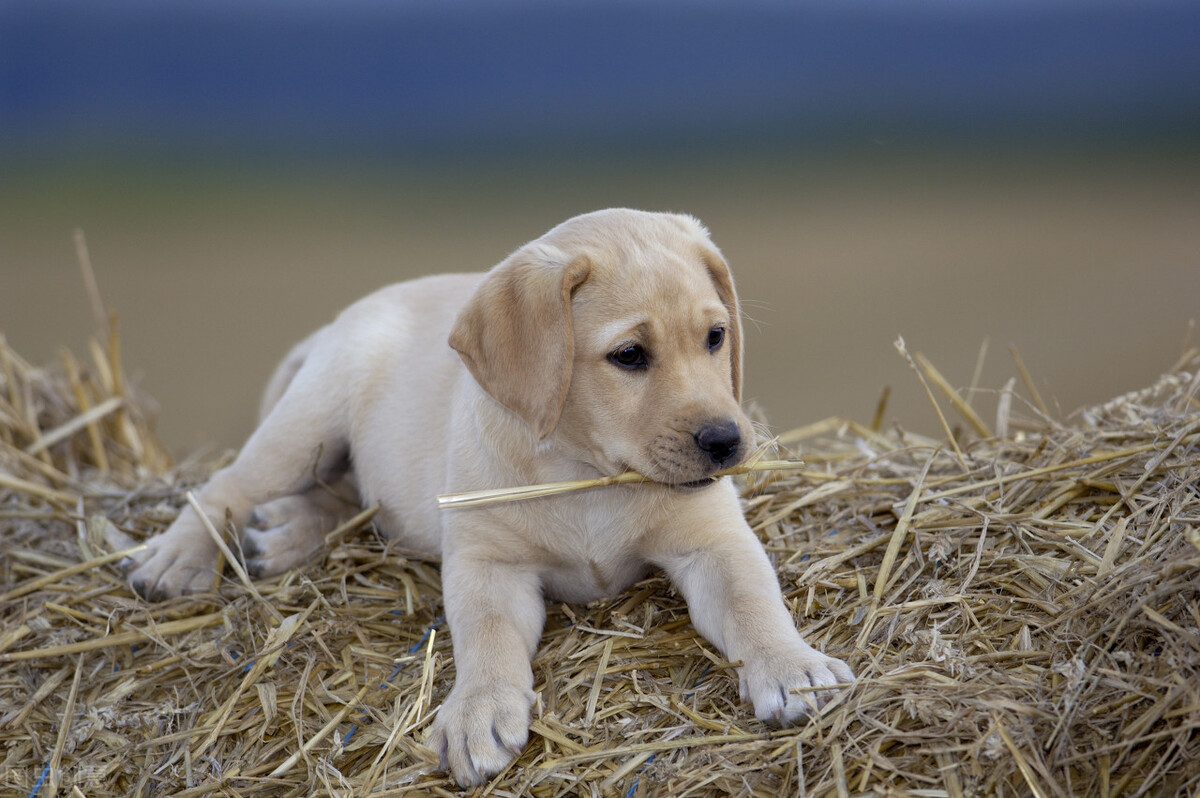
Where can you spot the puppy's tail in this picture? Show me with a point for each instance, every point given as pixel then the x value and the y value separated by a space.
pixel 284 373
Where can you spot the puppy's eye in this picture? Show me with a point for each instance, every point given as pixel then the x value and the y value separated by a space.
pixel 631 356
pixel 716 337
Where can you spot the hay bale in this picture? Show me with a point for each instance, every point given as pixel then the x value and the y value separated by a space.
pixel 1022 609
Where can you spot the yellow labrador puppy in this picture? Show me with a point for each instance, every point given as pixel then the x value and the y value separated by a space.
pixel 611 343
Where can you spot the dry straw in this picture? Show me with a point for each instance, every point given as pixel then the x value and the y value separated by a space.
pixel 1021 607
pixel 478 498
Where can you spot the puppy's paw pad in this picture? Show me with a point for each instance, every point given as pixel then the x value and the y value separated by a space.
pixel 268 552
pixel 479 731
pixel 163 577
pixel 781 686
pixel 180 561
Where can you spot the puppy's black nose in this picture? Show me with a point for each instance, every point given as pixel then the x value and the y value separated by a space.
pixel 719 441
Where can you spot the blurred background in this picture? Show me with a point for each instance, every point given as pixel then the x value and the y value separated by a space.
pixel 972 176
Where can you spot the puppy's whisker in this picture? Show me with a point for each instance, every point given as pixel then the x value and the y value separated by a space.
pixel 479 498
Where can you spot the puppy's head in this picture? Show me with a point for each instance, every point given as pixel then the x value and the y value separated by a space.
pixel 617 333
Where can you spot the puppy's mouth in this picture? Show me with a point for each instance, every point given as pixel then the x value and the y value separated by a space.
pixel 677 482
pixel 661 476
pixel 687 462
pixel 694 485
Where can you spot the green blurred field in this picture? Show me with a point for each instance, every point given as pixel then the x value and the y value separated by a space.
pixel 1089 265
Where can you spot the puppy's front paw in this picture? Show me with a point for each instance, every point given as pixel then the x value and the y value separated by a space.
pixel 767 681
pixel 283 534
pixel 180 561
pixel 480 729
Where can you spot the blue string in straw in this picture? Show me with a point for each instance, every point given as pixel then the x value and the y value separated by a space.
pixel 41 780
pixel 646 764
pixel 388 681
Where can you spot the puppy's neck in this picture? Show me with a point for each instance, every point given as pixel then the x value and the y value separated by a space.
pixel 515 450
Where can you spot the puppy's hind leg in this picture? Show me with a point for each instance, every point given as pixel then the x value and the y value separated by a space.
pixel 304 437
pixel 287 532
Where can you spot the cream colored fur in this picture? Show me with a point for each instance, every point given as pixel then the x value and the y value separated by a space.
pixel 531 388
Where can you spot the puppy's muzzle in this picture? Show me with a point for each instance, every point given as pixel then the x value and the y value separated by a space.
pixel 720 442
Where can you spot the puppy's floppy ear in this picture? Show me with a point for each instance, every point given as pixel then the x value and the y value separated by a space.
pixel 515 335
pixel 723 280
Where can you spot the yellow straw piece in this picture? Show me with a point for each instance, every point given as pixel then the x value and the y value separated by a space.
pixel 477 498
